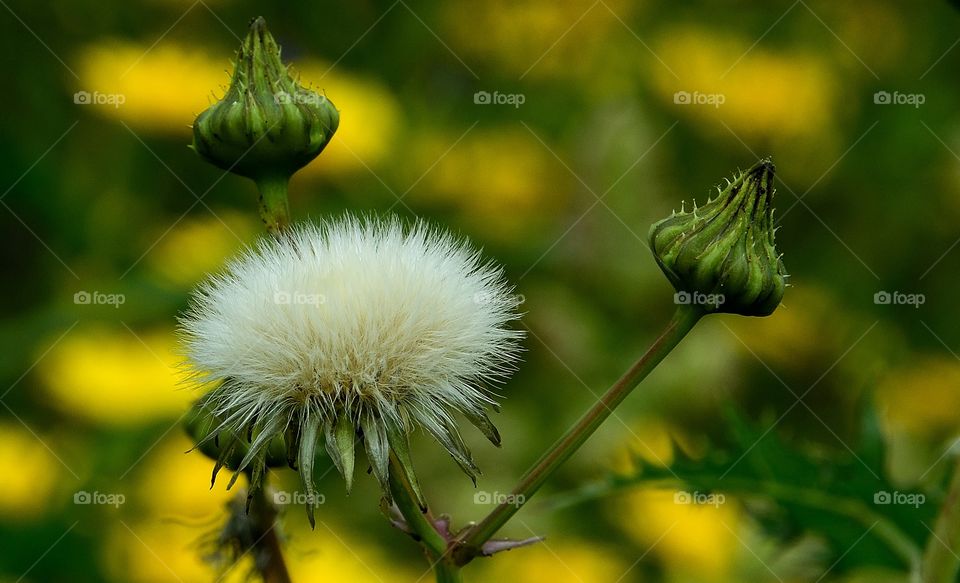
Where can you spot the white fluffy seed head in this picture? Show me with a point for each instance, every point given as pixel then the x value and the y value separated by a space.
pixel 366 320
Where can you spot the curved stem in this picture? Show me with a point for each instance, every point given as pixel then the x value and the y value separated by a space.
pixel 263 527
pixel 422 524
pixel 469 546
pixel 940 560
pixel 274 203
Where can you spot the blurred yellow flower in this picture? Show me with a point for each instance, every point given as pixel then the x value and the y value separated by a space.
pixel 764 94
pixel 179 509
pixel 923 399
pixel 651 441
pixel 164 88
pixel 331 553
pixel 369 119
pixel 112 376
pixel 30 474
pixel 794 336
pixel 554 561
pixel 539 38
pixel 152 551
pixel 184 492
pixel 691 538
pixel 197 246
pixel 157 551
pixel 501 181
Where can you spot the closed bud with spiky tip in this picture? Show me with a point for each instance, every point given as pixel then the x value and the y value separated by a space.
pixel 267 126
pixel 352 332
pixel 722 256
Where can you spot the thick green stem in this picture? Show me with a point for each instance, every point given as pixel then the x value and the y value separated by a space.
pixel 940 561
pixel 274 203
pixel 263 518
pixel 447 572
pixel 422 525
pixel 469 546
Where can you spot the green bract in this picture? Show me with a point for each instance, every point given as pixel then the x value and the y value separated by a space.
pixel 721 256
pixel 224 445
pixel 266 126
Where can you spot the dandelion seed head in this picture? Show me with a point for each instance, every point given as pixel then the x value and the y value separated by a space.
pixel 383 327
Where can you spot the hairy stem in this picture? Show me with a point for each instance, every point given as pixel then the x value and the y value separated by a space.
pixel 263 525
pixel 422 524
pixel 469 546
pixel 940 560
pixel 274 203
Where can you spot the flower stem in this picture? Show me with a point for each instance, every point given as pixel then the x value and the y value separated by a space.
pixel 422 524
pixel 274 203
pixel 940 560
pixel 469 546
pixel 263 520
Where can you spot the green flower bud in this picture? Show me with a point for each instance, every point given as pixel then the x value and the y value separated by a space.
pixel 721 256
pixel 267 126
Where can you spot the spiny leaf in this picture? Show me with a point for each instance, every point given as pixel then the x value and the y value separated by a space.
pixel 843 497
